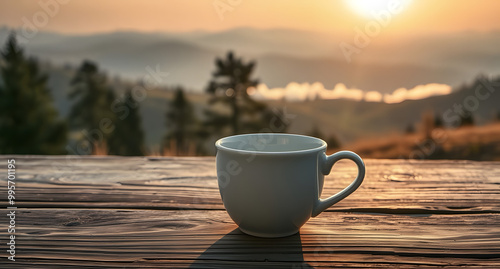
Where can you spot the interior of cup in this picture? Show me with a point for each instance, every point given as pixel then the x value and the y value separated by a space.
pixel 270 142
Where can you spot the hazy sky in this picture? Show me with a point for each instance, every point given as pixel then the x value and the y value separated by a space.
pixel 89 16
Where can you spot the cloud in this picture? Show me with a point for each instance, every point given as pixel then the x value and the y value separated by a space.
pixel 304 91
pixel 418 92
pixel 373 96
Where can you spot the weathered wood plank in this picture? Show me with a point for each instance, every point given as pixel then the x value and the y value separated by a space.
pixel 190 183
pixel 69 238
pixel 115 212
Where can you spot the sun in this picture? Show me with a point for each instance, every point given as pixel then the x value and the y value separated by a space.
pixel 371 8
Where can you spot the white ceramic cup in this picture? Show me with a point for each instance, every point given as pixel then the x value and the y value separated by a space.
pixel 271 184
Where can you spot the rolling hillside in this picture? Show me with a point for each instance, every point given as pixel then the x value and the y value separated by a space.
pixel 349 120
pixel 282 56
pixel 352 120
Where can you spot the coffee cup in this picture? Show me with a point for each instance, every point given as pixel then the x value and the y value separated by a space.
pixel 271 183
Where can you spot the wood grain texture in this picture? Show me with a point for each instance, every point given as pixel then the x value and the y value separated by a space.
pixel 119 212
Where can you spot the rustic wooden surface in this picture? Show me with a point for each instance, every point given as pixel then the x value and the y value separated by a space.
pixel 118 212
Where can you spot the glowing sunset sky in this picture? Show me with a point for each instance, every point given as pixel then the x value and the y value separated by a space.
pixel 337 20
pixel 92 16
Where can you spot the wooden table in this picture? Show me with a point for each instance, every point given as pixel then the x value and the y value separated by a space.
pixel 119 212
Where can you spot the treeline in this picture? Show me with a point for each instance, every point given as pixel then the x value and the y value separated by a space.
pixel 100 122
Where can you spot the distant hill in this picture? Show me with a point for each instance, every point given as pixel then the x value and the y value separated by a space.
pixel 347 119
pixel 282 55
pixel 352 120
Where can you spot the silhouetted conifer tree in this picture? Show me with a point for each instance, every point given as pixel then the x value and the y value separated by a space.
pixel 315 132
pixel 332 141
pixel 229 87
pixel 184 133
pixel 410 129
pixel 91 113
pixel 438 121
pixel 29 123
pixel 467 119
pixel 128 137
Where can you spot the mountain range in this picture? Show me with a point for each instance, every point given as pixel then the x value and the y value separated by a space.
pixel 348 120
pixel 282 56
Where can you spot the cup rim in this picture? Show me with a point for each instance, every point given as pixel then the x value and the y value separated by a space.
pixel 219 146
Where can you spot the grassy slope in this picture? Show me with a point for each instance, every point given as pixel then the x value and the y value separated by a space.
pixel 471 143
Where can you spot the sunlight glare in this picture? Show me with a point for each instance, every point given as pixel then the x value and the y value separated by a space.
pixel 370 8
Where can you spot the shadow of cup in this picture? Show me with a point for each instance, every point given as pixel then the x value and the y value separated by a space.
pixel 239 250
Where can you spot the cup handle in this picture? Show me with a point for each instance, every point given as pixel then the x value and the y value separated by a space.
pixel 326 163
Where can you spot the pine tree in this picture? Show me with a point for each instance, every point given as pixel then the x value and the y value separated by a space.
pixel 438 121
pixel 184 133
pixel 229 87
pixel 410 129
pixel 466 119
pixel 91 113
pixel 128 137
pixel 315 132
pixel 332 141
pixel 29 123
pixel 277 123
